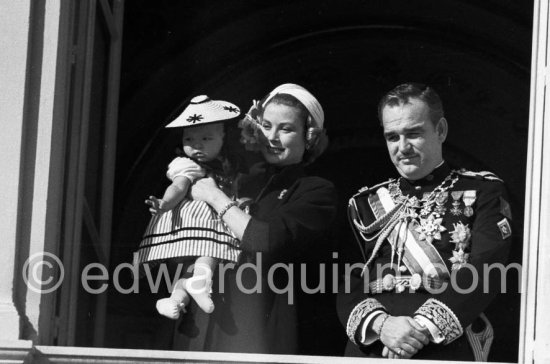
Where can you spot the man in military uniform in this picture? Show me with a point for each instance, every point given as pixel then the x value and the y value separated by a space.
pixel 425 238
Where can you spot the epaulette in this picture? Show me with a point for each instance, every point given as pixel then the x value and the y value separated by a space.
pixel 482 175
pixel 367 189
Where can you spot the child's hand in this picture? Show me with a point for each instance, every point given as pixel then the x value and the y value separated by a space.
pixel 156 205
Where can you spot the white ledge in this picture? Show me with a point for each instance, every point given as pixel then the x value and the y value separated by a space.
pixel 15 351
pixel 58 354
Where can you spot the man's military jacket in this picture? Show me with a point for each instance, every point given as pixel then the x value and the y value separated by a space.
pixel 429 244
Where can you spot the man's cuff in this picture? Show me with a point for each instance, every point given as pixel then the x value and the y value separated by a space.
pixel 363 310
pixel 366 336
pixel 436 334
pixel 443 318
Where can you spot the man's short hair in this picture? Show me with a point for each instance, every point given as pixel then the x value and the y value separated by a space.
pixel 403 93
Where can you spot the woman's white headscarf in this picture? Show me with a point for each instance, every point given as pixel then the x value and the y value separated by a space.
pixel 305 97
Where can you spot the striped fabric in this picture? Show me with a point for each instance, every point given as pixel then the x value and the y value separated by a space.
pixel 190 229
pixel 481 342
pixel 419 255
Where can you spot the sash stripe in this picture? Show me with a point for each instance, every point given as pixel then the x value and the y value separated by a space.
pixel 431 253
pixel 376 206
pixel 419 255
pixel 413 262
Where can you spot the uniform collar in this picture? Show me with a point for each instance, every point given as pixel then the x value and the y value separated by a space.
pixel 434 178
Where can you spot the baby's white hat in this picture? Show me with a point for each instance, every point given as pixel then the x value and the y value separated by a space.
pixel 203 110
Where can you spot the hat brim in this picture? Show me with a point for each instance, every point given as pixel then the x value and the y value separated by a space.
pixel 213 111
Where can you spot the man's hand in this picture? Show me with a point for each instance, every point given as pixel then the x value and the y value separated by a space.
pixel 403 337
pixel 387 353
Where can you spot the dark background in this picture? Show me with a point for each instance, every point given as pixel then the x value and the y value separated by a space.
pixel 476 54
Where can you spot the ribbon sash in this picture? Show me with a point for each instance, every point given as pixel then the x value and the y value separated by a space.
pixel 418 255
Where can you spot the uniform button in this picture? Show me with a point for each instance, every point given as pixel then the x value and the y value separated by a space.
pixel 402 269
pixel 417 187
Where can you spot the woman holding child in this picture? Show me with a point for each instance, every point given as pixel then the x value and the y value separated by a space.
pixel 291 213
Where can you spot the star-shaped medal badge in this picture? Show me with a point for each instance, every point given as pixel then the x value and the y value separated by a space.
pixel 411 204
pixel 461 236
pixel 459 259
pixel 230 108
pixel 194 118
pixel 430 228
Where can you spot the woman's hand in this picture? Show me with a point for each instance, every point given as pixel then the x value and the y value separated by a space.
pixel 205 189
pixel 403 337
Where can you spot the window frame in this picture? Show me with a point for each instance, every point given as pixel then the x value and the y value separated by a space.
pixel 86 16
pixel 535 300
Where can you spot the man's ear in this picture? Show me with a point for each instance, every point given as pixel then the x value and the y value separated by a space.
pixel 442 128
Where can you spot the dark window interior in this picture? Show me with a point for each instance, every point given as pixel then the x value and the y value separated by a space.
pixel 348 53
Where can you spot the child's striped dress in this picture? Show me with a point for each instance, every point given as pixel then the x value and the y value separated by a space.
pixel 192 228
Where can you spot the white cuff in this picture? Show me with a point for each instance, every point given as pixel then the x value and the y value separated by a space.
pixel 360 311
pixel 436 334
pixel 367 337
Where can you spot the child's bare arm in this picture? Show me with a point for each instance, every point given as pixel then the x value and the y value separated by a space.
pixel 172 196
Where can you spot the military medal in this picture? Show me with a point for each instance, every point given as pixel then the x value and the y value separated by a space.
pixel 469 198
pixel 426 210
pixel 430 228
pixel 424 213
pixel 440 201
pixel 440 210
pixel 461 236
pixel 442 198
pixel 456 195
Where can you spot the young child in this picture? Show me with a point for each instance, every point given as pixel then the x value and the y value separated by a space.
pixel 181 227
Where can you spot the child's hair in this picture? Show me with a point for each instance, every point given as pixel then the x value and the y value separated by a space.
pixel 231 159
